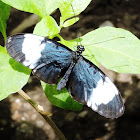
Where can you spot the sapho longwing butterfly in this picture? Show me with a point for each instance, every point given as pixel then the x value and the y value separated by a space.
pixel 50 60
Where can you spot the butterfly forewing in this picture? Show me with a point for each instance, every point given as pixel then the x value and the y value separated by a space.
pixel 47 58
pixel 89 85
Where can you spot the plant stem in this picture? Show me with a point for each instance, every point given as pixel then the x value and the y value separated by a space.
pixel 44 114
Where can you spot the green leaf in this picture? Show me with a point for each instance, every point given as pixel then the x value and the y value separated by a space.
pixel 47 27
pixel 61 98
pixel 40 7
pixel 70 22
pixel 4 15
pixel 115 48
pixel 70 8
pixel 2 50
pixel 13 76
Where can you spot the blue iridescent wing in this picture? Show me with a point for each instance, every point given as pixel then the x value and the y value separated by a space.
pixel 45 57
pixel 89 85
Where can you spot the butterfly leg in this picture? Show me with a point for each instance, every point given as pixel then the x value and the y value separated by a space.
pixel 65 78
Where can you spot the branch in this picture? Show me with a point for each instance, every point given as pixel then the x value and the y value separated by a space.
pixel 44 114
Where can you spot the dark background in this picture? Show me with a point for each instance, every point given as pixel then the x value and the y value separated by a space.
pixel 19 121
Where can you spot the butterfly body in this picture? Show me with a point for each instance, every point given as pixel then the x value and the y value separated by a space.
pixel 50 60
pixel 75 57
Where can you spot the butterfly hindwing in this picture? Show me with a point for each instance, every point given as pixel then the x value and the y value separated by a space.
pixel 89 85
pixel 45 57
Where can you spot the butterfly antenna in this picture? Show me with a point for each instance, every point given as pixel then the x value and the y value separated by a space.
pixel 104 41
pixel 78 34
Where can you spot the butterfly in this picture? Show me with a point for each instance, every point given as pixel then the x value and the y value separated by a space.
pixel 51 60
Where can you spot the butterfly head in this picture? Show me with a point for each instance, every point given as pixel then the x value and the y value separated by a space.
pixel 80 49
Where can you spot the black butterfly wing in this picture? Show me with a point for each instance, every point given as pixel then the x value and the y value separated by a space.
pixel 45 57
pixel 89 85
pixel 49 60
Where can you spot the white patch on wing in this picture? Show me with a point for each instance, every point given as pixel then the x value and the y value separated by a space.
pixel 32 36
pixel 32 48
pixel 104 94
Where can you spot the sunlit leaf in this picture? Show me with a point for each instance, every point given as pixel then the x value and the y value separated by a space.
pixel 13 76
pixel 4 15
pixel 70 22
pixel 70 8
pixel 40 7
pixel 115 48
pixel 47 27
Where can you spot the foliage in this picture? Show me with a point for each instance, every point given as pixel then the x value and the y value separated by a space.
pixel 13 75
pixel 115 48
pixel 4 15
